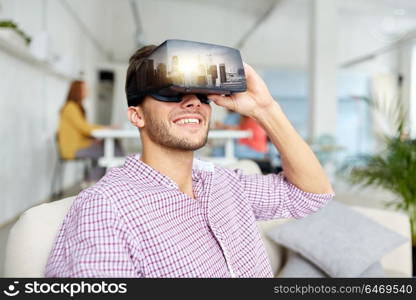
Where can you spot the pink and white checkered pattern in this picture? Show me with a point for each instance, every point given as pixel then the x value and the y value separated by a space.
pixel 136 223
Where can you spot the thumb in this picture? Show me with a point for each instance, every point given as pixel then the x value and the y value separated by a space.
pixel 224 101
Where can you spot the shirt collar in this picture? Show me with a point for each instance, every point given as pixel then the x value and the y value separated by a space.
pixel 140 171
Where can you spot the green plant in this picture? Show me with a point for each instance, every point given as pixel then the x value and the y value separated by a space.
pixel 13 25
pixel 394 168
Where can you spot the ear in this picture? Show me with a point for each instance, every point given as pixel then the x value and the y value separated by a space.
pixel 135 115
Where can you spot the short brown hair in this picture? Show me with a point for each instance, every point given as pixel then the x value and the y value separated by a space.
pixel 135 62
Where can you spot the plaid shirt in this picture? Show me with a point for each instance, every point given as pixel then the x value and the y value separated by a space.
pixel 136 223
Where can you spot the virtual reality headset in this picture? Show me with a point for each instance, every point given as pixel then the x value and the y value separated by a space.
pixel 177 67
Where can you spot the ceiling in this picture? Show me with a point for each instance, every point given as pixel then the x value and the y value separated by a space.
pixel 281 39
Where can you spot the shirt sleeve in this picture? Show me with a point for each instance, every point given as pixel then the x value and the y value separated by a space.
pixel 274 197
pixel 94 242
pixel 75 117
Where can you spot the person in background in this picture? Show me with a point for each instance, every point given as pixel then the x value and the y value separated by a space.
pixel 74 132
pixel 231 122
pixel 254 147
pixel 258 148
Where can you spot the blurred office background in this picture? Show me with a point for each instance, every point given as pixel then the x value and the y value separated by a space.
pixel 320 58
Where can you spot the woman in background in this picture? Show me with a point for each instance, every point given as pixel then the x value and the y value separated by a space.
pixel 257 147
pixel 254 147
pixel 74 133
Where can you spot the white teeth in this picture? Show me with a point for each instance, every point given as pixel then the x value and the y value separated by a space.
pixel 186 121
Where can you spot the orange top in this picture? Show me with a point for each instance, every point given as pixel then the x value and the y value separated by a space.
pixel 258 140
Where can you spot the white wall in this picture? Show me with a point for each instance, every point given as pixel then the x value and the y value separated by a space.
pixel 30 99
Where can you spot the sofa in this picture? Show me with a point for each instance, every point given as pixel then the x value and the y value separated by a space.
pixel 32 236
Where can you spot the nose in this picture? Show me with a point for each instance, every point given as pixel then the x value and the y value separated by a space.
pixel 190 101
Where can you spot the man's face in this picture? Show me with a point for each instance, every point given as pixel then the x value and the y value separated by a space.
pixel 180 126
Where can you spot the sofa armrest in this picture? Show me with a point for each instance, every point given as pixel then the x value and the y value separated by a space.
pixel 397 263
pixel 31 239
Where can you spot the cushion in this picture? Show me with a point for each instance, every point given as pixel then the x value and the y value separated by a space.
pixel 298 266
pixel 342 242
pixel 247 166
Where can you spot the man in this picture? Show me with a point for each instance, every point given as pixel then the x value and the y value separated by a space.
pixel 166 214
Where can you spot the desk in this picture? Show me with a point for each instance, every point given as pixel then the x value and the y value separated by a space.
pixel 109 136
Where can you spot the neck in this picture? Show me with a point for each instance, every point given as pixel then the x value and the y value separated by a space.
pixel 175 164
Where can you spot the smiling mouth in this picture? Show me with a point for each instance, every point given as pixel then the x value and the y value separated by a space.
pixel 189 124
pixel 187 121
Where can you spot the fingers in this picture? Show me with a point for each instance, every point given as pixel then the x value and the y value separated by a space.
pixel 254 82
pixel 248 70
pixel 224 101
pixel 252 77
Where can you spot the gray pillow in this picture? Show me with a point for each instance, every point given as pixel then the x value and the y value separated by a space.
pixel 298 266
pixel 342 242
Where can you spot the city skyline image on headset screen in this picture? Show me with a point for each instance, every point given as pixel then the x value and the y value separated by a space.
pixel 178 66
